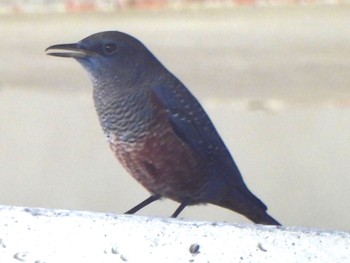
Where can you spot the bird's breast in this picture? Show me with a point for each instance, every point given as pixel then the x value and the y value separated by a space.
pixel 125 117
pixel 162 163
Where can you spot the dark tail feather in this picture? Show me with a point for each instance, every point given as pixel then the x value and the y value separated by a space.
pixel 263 218
pixel 249 206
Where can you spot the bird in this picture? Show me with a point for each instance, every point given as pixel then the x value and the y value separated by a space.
pixel 157 129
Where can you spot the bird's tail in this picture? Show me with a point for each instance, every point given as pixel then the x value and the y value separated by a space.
pixel 263 218
pixel 249 206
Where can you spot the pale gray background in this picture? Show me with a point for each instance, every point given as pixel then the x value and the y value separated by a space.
pixel 274 80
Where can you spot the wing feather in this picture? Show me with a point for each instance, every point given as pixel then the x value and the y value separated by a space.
pixel 194 127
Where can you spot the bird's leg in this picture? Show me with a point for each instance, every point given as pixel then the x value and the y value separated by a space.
pixel 144 203
pixel 180 208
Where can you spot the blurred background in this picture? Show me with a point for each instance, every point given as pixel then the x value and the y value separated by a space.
pixel 273 75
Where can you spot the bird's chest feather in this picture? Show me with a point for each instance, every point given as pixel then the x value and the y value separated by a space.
pixel 124 116
pixel 161 162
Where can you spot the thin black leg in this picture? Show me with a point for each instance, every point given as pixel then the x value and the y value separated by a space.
pixel 179 209
pixel 144 203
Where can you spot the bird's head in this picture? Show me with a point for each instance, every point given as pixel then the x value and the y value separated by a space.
pixel 109 54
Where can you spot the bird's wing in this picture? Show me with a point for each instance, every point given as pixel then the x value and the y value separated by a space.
pixel 193 126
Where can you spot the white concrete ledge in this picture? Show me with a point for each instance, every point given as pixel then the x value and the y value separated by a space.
pixel 43 235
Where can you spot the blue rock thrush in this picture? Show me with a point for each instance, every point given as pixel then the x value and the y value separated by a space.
pixel 157 128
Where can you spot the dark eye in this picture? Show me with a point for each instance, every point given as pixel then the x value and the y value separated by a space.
pixel 109 48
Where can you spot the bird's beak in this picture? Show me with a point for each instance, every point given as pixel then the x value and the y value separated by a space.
pixel 71 51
